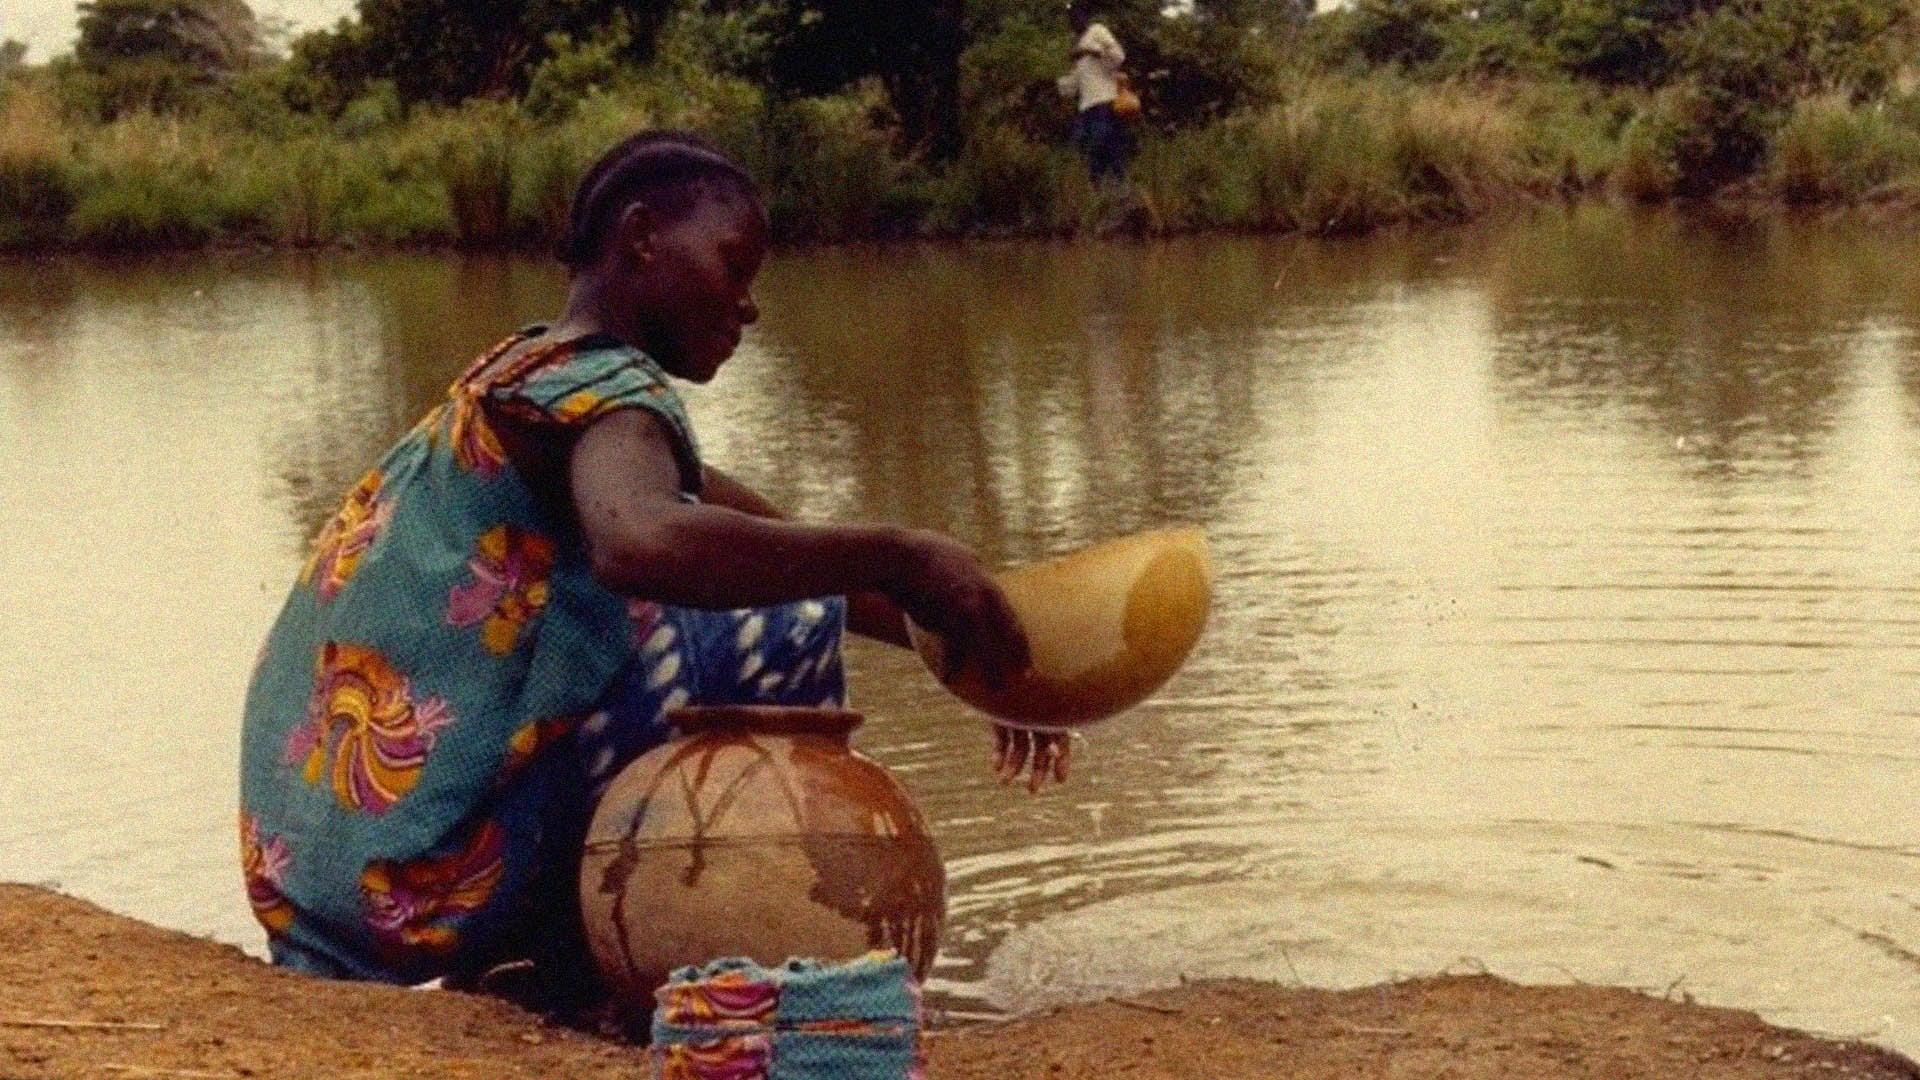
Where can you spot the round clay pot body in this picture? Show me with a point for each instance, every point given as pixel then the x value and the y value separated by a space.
pixel 758 832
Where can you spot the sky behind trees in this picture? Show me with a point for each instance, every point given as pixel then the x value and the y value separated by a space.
pixel 47 26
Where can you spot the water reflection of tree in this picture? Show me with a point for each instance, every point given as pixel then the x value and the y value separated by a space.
pixel 375 347
pixel 36 305
pixel 1910 381
pixel 1720 336
pixel 1031 398
pixel 1023 397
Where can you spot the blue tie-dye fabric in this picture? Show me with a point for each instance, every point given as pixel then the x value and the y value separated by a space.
pixel 447 678
pixel 802 1020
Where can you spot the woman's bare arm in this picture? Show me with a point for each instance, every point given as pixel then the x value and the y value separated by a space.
pixel 645 542
pixel 869 614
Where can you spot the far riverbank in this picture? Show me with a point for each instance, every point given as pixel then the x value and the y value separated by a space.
pixel 1328 155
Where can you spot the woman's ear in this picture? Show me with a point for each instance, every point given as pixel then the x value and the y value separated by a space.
pixel 633 232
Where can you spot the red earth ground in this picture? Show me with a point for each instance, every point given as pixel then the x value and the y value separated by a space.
pixel 86 994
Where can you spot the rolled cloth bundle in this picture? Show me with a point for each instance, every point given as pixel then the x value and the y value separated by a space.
pixel 803 1020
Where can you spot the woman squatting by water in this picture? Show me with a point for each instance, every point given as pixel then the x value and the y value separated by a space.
pixel 507 606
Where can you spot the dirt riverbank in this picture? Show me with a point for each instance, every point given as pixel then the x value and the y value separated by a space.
pixel 88 994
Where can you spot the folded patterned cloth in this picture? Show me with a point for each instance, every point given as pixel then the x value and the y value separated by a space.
pixel 804 1020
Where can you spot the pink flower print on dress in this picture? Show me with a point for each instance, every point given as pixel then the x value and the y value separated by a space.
pixel 344 541
pixel 407 903
pixel 644 616
pixel 509 587
pixel 363 713
pixel 732 997
pixel 264 865
pixel 734 1057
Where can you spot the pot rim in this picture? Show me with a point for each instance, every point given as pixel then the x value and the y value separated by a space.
pixel 765 720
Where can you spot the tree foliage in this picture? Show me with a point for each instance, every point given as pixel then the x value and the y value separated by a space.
pixel 1705 83
pixel 210 37
pixel 912 46
pixel 1727 71
pixel 1765 48
pixel 1202 64
pixel 1190 67
pixel 1199 64
pixel 450 50
pixel 156 55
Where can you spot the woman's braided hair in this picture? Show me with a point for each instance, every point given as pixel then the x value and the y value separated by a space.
pixel 670 170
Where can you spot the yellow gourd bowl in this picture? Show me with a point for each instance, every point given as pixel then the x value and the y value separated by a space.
pixel 1106 627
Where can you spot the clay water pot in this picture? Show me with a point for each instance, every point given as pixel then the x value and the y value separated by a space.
pixel 757 832
pixel 1106 627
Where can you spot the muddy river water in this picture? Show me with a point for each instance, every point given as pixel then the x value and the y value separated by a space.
pixel 1568 610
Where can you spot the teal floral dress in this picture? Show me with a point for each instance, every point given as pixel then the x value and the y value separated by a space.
pixel 447 686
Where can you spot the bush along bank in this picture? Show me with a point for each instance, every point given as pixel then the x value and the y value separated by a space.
pixel 1329 129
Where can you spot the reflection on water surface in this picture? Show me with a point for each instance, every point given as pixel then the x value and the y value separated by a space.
pixel 1569 594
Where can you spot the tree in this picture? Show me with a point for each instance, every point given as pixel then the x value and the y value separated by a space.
pixel 208 37
pixel 1198 63
pixel 451 50
pixel 158 55
pixel 912 46
pixel 1767 46
pixel 13 54
pixel 1727 72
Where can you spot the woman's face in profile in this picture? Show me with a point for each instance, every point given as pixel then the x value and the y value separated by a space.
pixel 696 290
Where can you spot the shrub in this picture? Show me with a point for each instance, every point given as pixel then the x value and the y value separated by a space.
pixel 1459 155
pixel 307 183
pixel 1007 81
pixel 826 165
pixel 157 182
pixel 1328 160
pixel 38 187
pixel 143 210
pixel 1646 171
pixel 576 71
pixel 375 108
pixel 1688 140
pixel 390 205
pixel 1406 33
pixel 1572 132
pixel 1004 180
pixel 145 85
pixel 1830 150
pixel 1200 178
pixel 469 153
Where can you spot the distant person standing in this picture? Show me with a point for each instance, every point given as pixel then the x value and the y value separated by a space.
pixel 1094 83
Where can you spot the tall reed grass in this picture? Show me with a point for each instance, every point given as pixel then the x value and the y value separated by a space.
pixel 153 181
pixel 38 185
pixel 1830 150
pixel 1339 156
pixel 1328 154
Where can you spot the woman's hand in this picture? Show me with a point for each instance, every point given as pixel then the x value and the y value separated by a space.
pixel 943 587
pixel 1017 749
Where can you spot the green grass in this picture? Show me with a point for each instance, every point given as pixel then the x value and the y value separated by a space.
pixel 1830 150
pixel 38 183
pixel 154 182
pixel 1327 154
